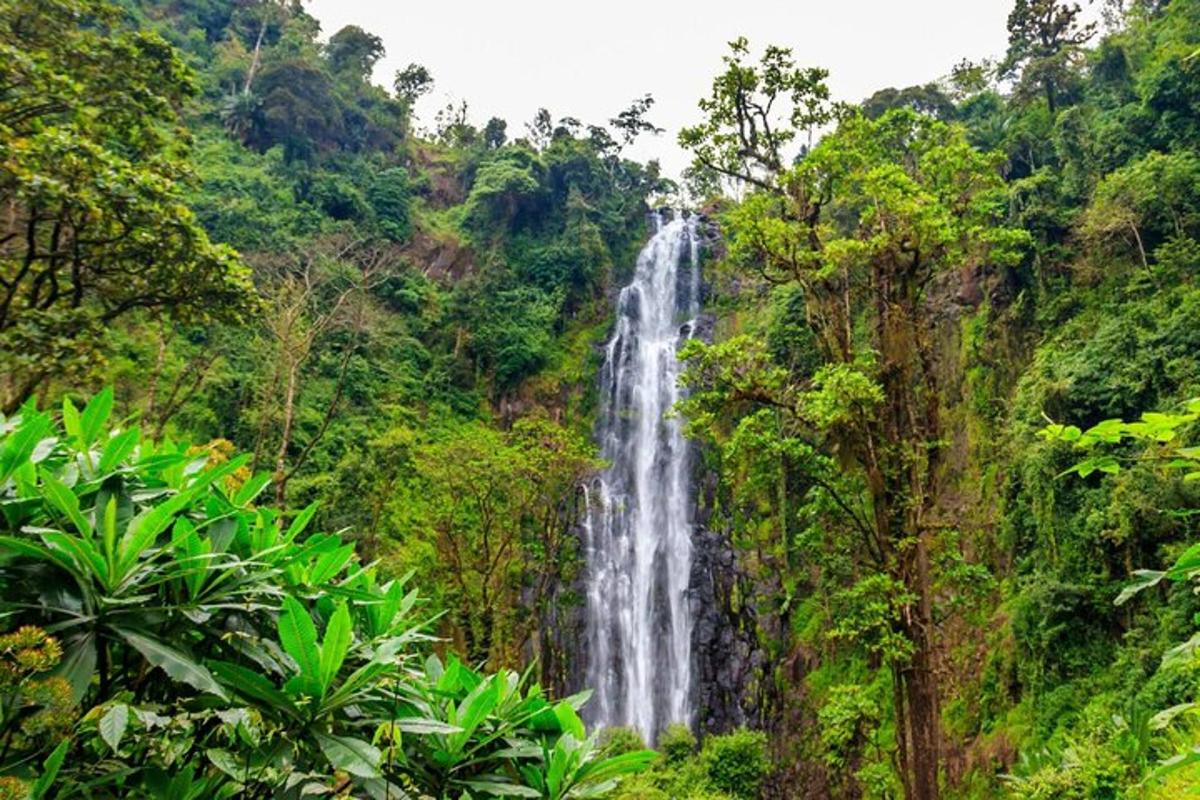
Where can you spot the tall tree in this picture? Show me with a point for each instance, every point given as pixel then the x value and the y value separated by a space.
pixel 1044 40
pixel 308 298
pixel 754 114
pixel 91 168
pixel 353 51
pixel 862 225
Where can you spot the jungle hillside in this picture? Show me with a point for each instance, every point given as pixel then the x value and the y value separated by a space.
pixel 345 448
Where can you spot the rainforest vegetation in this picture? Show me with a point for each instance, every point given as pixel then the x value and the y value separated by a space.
pixel 298 392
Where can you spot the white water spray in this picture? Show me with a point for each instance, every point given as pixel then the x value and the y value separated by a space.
pixel 638 526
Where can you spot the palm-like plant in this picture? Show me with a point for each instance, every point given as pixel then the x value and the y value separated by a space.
pixel 292 668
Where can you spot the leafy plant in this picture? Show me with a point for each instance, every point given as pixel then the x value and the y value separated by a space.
pixel 290 667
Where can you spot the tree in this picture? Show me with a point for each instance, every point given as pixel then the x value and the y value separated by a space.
pixel 495 133
pixel 540 129
pixel 352 51
pixel 928 99
pixel 307 299
pixel 412 83
pixel 632 122
pixel 91 175
pixel 497 509
pixel 1044 40
pixel 261 16
pixel 862 225
pixel 506 183
pixel 294 104
pixel 1146 203
pixel 754 113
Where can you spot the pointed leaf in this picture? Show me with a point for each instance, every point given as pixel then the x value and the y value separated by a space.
pixel 301 521
pixel 50 768
pixel 501 788
pixel 335 645
pixel 176 664
pixel 113 724
pixel 298 636
pixel 253 685
pixel 352 755
pixel 1145 579
pixel 118 449
pixel 425 726
pixel 95 414
pixel 67 504
pixel 19 446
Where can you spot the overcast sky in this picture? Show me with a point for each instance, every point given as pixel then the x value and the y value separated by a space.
pixel 589 60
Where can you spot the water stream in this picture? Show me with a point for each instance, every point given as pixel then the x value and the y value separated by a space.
pixel 638 527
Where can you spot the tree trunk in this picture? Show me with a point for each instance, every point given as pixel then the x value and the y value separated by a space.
pixel 156 376
pixel 256 57
pixel 921 696
pixel 285 438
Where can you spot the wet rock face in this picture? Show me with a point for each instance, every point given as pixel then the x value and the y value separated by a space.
pixel 725 654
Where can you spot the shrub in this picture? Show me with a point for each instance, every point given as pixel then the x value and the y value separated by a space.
pixel 677 743
pixel 211 647
pixel 617 741
pixel 736 763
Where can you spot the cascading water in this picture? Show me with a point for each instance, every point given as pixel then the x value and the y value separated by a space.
pixel 638 525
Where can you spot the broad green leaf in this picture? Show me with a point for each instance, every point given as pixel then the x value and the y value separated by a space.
pixel 1165 717
pixel 1182 654
pixel 1145 579
pixel 569 721
pixel 78 665
pixel 67 504
pixel 330 564
pixel 335 645
pixel 50 768
pixel 19 445
pixel 298 636
pixel 84 554
pixel 624 764
pixel 499 787
pixel 253 685
pixel 358 679
pixel 1106 464
pixel 233 766
pixel 471 712
pixel 424 726
pixel 251 489
pixel 352 755
pixel 30 549
pixel 95 414
pixel 301 521
pixel 108 533
pixel 71 423
pixel 1187 563
pixel 113 724
pixel 1176 762
pixel 176 664
pixel 117 450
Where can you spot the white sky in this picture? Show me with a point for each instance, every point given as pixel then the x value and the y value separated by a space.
pixel 589 60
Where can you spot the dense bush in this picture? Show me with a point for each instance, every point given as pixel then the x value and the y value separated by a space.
pixel 736 763
pixel 177 637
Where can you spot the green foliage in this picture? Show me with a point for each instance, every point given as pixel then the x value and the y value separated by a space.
pixel 1058 282
pixel 754 112
pixel 389 199
pixel 286 662
pixel 736 763
pixel 677 743
pixel 91 167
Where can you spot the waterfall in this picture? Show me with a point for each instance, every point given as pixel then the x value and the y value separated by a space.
pixel 638 526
